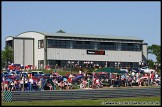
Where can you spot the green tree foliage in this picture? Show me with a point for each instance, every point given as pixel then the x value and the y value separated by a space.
pixel 156 50
pixel 3 61
pixel 151 63
pixel 7 56
pixel 61 31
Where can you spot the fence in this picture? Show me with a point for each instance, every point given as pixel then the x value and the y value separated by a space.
pixel 79 94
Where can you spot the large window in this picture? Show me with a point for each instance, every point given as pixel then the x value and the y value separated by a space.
pixel 58 43
pixel 55 63
pixel 40 44
pixel 131 47
pixel 82 45
pixel 106 46
pixel 9 43
pixel 111 46
pixel 69 44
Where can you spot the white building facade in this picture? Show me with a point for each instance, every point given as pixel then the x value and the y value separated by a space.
pixel 61 49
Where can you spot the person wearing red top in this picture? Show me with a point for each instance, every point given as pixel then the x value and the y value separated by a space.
pixel 10 67
pixel 152 77
pixel 69 80
pixel 47 67
pixel 145 79
pixel 6 85
pixel 26 67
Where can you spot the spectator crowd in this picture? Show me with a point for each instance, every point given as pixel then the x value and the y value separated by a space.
pixel 81 80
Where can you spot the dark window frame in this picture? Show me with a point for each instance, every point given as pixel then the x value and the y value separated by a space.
pixel 40 44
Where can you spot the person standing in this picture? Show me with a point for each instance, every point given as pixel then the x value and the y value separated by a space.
pixel 31 84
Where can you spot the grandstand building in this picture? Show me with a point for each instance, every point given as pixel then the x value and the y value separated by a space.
pixel 64 49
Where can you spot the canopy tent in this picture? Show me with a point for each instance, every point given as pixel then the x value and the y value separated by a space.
pixel 110 70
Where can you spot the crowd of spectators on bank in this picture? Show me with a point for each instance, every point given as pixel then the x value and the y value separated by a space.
pixel 79 80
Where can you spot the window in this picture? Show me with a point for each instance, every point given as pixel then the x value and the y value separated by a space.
pixel 40 44
pixel 107 45
pixel 82 45
pixel 9 43
pixel 40 64
pixel 130 47
pixel 58 43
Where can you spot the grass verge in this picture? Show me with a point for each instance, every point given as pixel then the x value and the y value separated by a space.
pixel 137 101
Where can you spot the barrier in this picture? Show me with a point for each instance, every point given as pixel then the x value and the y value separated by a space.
pixel 81 94
pixel 7 96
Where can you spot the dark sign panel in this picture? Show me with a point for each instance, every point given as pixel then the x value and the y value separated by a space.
pixel 94 52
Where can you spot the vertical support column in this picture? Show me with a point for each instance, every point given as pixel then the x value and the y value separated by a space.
pixel 23 52
pixel 71 45
pixel 45 52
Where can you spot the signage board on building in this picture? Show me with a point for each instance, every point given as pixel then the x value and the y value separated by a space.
pixel 95 52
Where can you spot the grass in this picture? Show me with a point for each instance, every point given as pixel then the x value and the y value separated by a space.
pixel 63 71
pixel 86 102
pixel 52 70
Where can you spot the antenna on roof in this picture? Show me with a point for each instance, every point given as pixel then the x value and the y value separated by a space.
pixel 60 31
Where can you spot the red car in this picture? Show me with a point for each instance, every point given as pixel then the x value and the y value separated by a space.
pixel 29 67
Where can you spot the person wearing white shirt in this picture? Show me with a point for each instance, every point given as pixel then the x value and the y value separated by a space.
pixel 80 72
pixel 133 73
pixel 31 84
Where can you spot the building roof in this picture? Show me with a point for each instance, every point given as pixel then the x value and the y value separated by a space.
pixel 8 38
pixel 92 36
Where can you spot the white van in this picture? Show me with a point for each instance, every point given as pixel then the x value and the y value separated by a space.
pixel 147 70
pixel 124 69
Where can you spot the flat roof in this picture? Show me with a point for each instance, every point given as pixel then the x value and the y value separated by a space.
pixel 91 36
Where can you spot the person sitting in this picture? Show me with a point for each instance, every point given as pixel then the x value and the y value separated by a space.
pixel 61 85
pixel 49 85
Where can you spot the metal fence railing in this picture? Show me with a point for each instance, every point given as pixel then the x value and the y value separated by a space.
pixel 79 94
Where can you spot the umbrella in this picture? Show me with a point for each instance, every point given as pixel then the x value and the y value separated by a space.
pixel 110 70
pixel 9 80
pixel 78 77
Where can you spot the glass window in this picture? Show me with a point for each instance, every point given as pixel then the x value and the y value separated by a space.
pixel 40 44
pixel 40 64
pixel 69 44
pixel 58 43
pixel 131 47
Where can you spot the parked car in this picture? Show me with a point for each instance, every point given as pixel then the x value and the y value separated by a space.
pixel 147 70
pixel 25 74
pixel 29 67
pixel 46 76
pixel 5 73
pixel 14 67
pixel 37 73
pixel 124 69
pixel 136 70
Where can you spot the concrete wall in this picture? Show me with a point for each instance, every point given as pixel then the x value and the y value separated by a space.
pixel 144 51
pixel 18 51
pixel 28 52
pixel 38 53
pixel 81 54
pixel 23 51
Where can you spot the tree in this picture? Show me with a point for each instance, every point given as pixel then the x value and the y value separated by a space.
pixel 156 50
pixel 3 61
pixel 150 63
pixel 61 31
pixel 7 56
